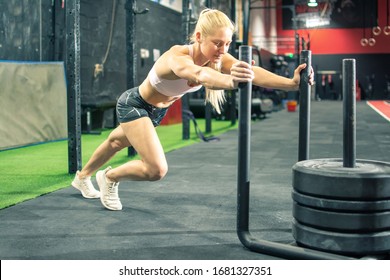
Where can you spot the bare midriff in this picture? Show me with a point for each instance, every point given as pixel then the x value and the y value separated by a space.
pixel 155 98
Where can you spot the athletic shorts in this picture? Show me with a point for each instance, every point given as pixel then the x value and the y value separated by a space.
pixel 130 106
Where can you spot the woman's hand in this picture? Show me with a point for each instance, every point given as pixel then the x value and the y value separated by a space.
pixel 297 77
pixel 241 72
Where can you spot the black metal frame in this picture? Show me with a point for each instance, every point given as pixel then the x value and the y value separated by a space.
pixel 185 100
pixel 131 50
pixel 72 66
pixel 349 113
pixel 304 105
pixel 243 185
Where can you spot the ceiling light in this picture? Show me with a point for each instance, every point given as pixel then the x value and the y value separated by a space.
pixel 312 3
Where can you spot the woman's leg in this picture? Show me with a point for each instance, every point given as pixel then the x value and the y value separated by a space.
pixel 141 134
pixel 152 166
pixel 82 181
pixel 115 142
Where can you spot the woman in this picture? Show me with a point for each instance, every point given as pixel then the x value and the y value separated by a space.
pixel 182 69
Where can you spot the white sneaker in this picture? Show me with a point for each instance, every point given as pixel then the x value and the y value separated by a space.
pixel 85 186
pixel 109 191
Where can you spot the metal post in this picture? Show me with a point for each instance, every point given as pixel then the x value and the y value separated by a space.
pixel 246 15
pixel 185 24
pixel 72 18
pixel 131 50
pixel 232 51
pixel 297 49
pixel 131 45
pixel 131 54
pixel 349 112
pixel 304 108
pixel 208 107
pixel 243 183
pixel 208 117
pixel 244 127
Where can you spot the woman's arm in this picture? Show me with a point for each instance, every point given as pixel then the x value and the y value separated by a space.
pixel 184 67
pixel 268 79
pixel 265 78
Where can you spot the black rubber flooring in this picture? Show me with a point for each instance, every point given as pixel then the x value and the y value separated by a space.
pixel 191 213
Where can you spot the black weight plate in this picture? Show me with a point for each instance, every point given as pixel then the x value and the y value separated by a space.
pixel 342 243
pixel 341 221
pixel 369 180
pixel 341 205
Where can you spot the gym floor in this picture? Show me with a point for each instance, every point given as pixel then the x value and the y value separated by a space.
pixel 191 213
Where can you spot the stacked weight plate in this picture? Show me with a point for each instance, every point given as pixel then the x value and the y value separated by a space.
pixel 342 210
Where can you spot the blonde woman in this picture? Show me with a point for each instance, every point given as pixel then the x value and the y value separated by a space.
pixel 182 69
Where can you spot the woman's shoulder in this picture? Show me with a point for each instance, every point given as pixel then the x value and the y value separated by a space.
pixel 179 49
pixel 173 53
pixel 163 66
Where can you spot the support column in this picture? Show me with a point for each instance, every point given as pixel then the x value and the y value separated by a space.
pixel 185 25
pixel 72 66
pixel 131 50
pixel 232 51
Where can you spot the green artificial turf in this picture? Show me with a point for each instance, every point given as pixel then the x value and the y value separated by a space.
pixel 32 171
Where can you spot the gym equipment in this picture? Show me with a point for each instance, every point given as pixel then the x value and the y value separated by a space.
pixel 243 183
pixel 304 111
pixel 342 205
pixel 386 29
pixel 72 64
pixel 198 131
pixel 364 40
pixel 347 219
pixel 131 49
pixel 185 100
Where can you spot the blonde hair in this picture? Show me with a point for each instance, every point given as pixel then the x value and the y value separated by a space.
pixel 209 20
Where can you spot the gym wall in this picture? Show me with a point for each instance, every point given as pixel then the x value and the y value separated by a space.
pixel 26 30
pixel 329 45
pixel 33 32
pixel 368 66
pixel 155 32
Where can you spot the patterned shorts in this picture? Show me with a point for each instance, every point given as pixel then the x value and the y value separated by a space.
pixel 131 106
